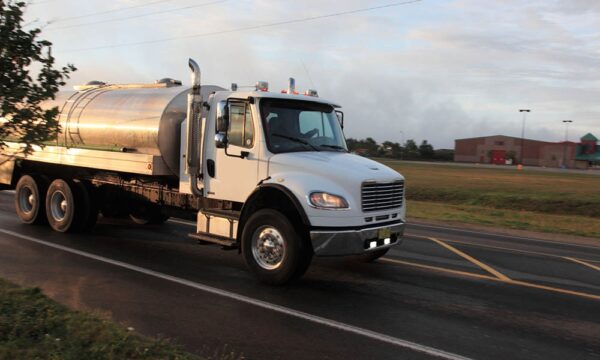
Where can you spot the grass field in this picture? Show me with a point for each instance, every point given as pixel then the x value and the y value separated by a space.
pixel 34 327
pixel 529 200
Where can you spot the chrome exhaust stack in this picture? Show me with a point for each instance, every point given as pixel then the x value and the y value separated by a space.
pixel 194 110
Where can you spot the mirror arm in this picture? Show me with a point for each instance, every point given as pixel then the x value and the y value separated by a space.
pixel 242 155
pixel 340 115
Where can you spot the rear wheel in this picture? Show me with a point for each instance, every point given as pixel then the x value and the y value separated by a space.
pixel 273 249
pixel 148 214
pixel 86 195
pixel 30 195
pixel 65 208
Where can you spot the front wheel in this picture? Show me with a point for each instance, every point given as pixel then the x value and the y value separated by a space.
pixel 273 249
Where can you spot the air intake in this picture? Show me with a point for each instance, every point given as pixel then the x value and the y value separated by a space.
pixel 382 196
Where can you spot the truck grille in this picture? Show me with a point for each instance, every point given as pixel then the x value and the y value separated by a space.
pixel 382 196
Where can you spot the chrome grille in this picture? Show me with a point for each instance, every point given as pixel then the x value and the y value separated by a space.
pixel 382 196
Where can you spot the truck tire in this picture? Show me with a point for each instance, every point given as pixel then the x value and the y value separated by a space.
pixel 64 207
pixel 86 195
pixel 30 194
pixel 374 255
pixel 147 214
pixel 273 249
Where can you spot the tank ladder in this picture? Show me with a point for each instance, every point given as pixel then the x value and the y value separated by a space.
pixel 73 116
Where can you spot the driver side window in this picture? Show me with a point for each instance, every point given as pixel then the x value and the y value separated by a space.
pixel 311 120
pixel 241 126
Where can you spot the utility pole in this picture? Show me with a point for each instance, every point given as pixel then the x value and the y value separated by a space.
pixel 524 111
pixel 566 122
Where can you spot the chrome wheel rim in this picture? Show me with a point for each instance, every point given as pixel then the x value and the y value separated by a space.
pixel 58 205
pixel 268 247
pixel 27 200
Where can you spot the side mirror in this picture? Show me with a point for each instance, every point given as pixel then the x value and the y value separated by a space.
pixel 340 116
pixel 222 117
pixel 221 140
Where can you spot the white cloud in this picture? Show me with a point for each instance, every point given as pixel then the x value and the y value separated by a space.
pixel 435 70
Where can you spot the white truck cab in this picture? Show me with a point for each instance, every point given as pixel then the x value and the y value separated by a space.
pixel 268 173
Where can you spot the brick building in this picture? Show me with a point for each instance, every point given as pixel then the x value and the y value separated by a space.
pixel 500 149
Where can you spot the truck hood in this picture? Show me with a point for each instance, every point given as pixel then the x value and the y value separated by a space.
pixel 338 167
pixel 337 173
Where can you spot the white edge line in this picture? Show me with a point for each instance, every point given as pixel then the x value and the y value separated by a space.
pixel 259 303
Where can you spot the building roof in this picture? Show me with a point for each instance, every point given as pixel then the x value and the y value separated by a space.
pixel 589 137
pixel 504 136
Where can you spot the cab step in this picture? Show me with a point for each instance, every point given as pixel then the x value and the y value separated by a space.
pixel 227 243
pixel 226 214
pixel 217 226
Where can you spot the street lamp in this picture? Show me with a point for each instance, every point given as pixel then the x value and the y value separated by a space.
pixel 566 122
pixel 524 111
pixel 402 145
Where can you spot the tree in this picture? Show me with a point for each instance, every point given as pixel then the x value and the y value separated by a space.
pixel 22 117
pixel 411 151
pixel 426 150
pixel 352 144
pixel 392 149
pixel 444 155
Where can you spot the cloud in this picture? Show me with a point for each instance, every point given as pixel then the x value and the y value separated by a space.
pixel 432 70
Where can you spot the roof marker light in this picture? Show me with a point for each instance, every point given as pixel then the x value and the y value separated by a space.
pixel 311 92
pixel 262 86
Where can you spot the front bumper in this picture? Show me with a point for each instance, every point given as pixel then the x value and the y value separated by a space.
pixel 332 242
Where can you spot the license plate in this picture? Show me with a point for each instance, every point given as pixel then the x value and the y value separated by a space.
pixel 384 233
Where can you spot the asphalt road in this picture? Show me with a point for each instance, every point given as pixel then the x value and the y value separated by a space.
pixel 443 293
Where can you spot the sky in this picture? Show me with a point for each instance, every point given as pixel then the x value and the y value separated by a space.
pixel 431 69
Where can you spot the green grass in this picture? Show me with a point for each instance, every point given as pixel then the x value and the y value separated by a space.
pixel 34 327
pixel 518 220
pixel 511 194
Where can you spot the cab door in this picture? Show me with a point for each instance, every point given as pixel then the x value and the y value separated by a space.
pixel 236 166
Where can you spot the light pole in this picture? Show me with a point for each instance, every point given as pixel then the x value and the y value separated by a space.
pixel 524 111
pixel 402 145
pixel 566 122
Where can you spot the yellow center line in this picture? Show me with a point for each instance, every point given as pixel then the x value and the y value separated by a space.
pixel 506 249
pixel 554 289
pixel 487 277
pixel 467 257
pixel 437 268
pixel 583 263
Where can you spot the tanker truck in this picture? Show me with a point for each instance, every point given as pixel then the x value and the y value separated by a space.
pixel 265 173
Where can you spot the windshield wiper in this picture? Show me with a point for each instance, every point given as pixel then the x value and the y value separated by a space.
pixel 295 139
pixel 337 147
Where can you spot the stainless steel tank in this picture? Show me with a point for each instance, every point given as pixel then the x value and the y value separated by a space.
pixel 132 118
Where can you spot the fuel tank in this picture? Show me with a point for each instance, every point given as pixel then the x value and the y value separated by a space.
pixel 128 118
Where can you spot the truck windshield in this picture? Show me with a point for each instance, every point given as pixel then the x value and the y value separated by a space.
pixel 294 125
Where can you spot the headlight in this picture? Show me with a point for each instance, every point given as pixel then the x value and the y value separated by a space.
pixel 324 200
